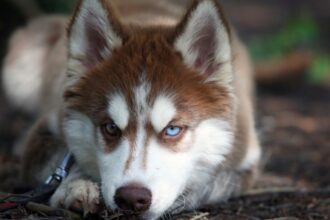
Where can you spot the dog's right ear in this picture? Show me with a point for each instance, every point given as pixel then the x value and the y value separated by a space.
pixel 203 40
pixel 94 32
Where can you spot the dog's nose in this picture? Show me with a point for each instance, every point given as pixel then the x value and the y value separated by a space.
pixel 133 198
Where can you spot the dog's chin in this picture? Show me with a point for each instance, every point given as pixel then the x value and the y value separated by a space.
pixel 149 215
pixel 174 209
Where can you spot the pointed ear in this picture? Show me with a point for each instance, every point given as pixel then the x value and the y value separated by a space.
pixel 94 32
pixel 203 40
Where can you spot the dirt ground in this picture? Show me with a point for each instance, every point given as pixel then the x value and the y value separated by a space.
pixel 294 127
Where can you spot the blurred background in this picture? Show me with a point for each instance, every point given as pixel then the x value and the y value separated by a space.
pixel 290 45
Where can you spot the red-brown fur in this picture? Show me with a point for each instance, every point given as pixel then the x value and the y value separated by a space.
pixel 40 146
pixel 141 55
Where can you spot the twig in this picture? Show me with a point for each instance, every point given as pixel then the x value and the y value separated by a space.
pixel 114 216
pixel 283 218
pixel 200 216
pixel 254 192
pixel 41 208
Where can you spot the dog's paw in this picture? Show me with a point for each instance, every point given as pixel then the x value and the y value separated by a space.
pixel 78 195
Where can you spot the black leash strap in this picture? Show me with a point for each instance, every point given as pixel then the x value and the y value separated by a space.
pixel 42 192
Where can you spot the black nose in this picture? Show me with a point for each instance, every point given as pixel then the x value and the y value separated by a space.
pixel 133 198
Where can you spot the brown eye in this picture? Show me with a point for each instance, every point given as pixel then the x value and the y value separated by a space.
pixel 111 130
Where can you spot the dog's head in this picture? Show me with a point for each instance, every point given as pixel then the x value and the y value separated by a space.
pixel 148 111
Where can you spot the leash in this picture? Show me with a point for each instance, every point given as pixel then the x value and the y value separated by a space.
pixel 42 192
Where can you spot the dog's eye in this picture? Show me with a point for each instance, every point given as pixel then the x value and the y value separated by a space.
pixel 172 131
pixel 111 129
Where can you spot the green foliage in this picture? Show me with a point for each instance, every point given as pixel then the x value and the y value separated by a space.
pixel 301 31
pixel 320 69
pixel 57 6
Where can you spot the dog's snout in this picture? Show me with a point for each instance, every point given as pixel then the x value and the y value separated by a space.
pixel 133 198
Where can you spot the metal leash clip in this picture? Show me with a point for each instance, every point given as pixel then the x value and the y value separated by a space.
pixel 61 171
pixel 42 192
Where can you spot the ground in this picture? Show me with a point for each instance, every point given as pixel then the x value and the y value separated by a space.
pixel 293 121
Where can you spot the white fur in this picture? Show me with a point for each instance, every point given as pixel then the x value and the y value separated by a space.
pixel 141 92
pixel 118 111
pixel 213 141
pixel 80 137
pixel 216 137
pixel 111 169
pixel 75 190
pixel 194 166
pixel 206 14
pixel 163 172
pixel 253 153
pixel 22 77
pixel 162 112
pixel 142 109
pixel 167 173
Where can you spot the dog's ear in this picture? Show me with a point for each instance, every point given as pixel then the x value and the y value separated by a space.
pixel 203 39
pixel 94 32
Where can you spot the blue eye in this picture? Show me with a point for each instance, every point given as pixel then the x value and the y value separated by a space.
pixel 172 131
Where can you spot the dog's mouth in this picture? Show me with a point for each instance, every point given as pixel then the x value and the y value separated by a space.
pixel 123 214
pixel 177 207
pixel 135 215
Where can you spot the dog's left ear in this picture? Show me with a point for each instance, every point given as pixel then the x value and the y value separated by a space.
pixel 94 33
pixel 203 40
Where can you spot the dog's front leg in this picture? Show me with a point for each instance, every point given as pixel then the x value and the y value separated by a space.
pixel 77 192
pixel 41 153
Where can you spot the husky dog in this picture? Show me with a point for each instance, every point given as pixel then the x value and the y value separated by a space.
pixel 155 107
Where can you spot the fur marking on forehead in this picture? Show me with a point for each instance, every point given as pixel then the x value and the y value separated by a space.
pixel 162 112
pixel 118 111
pixel 141 93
